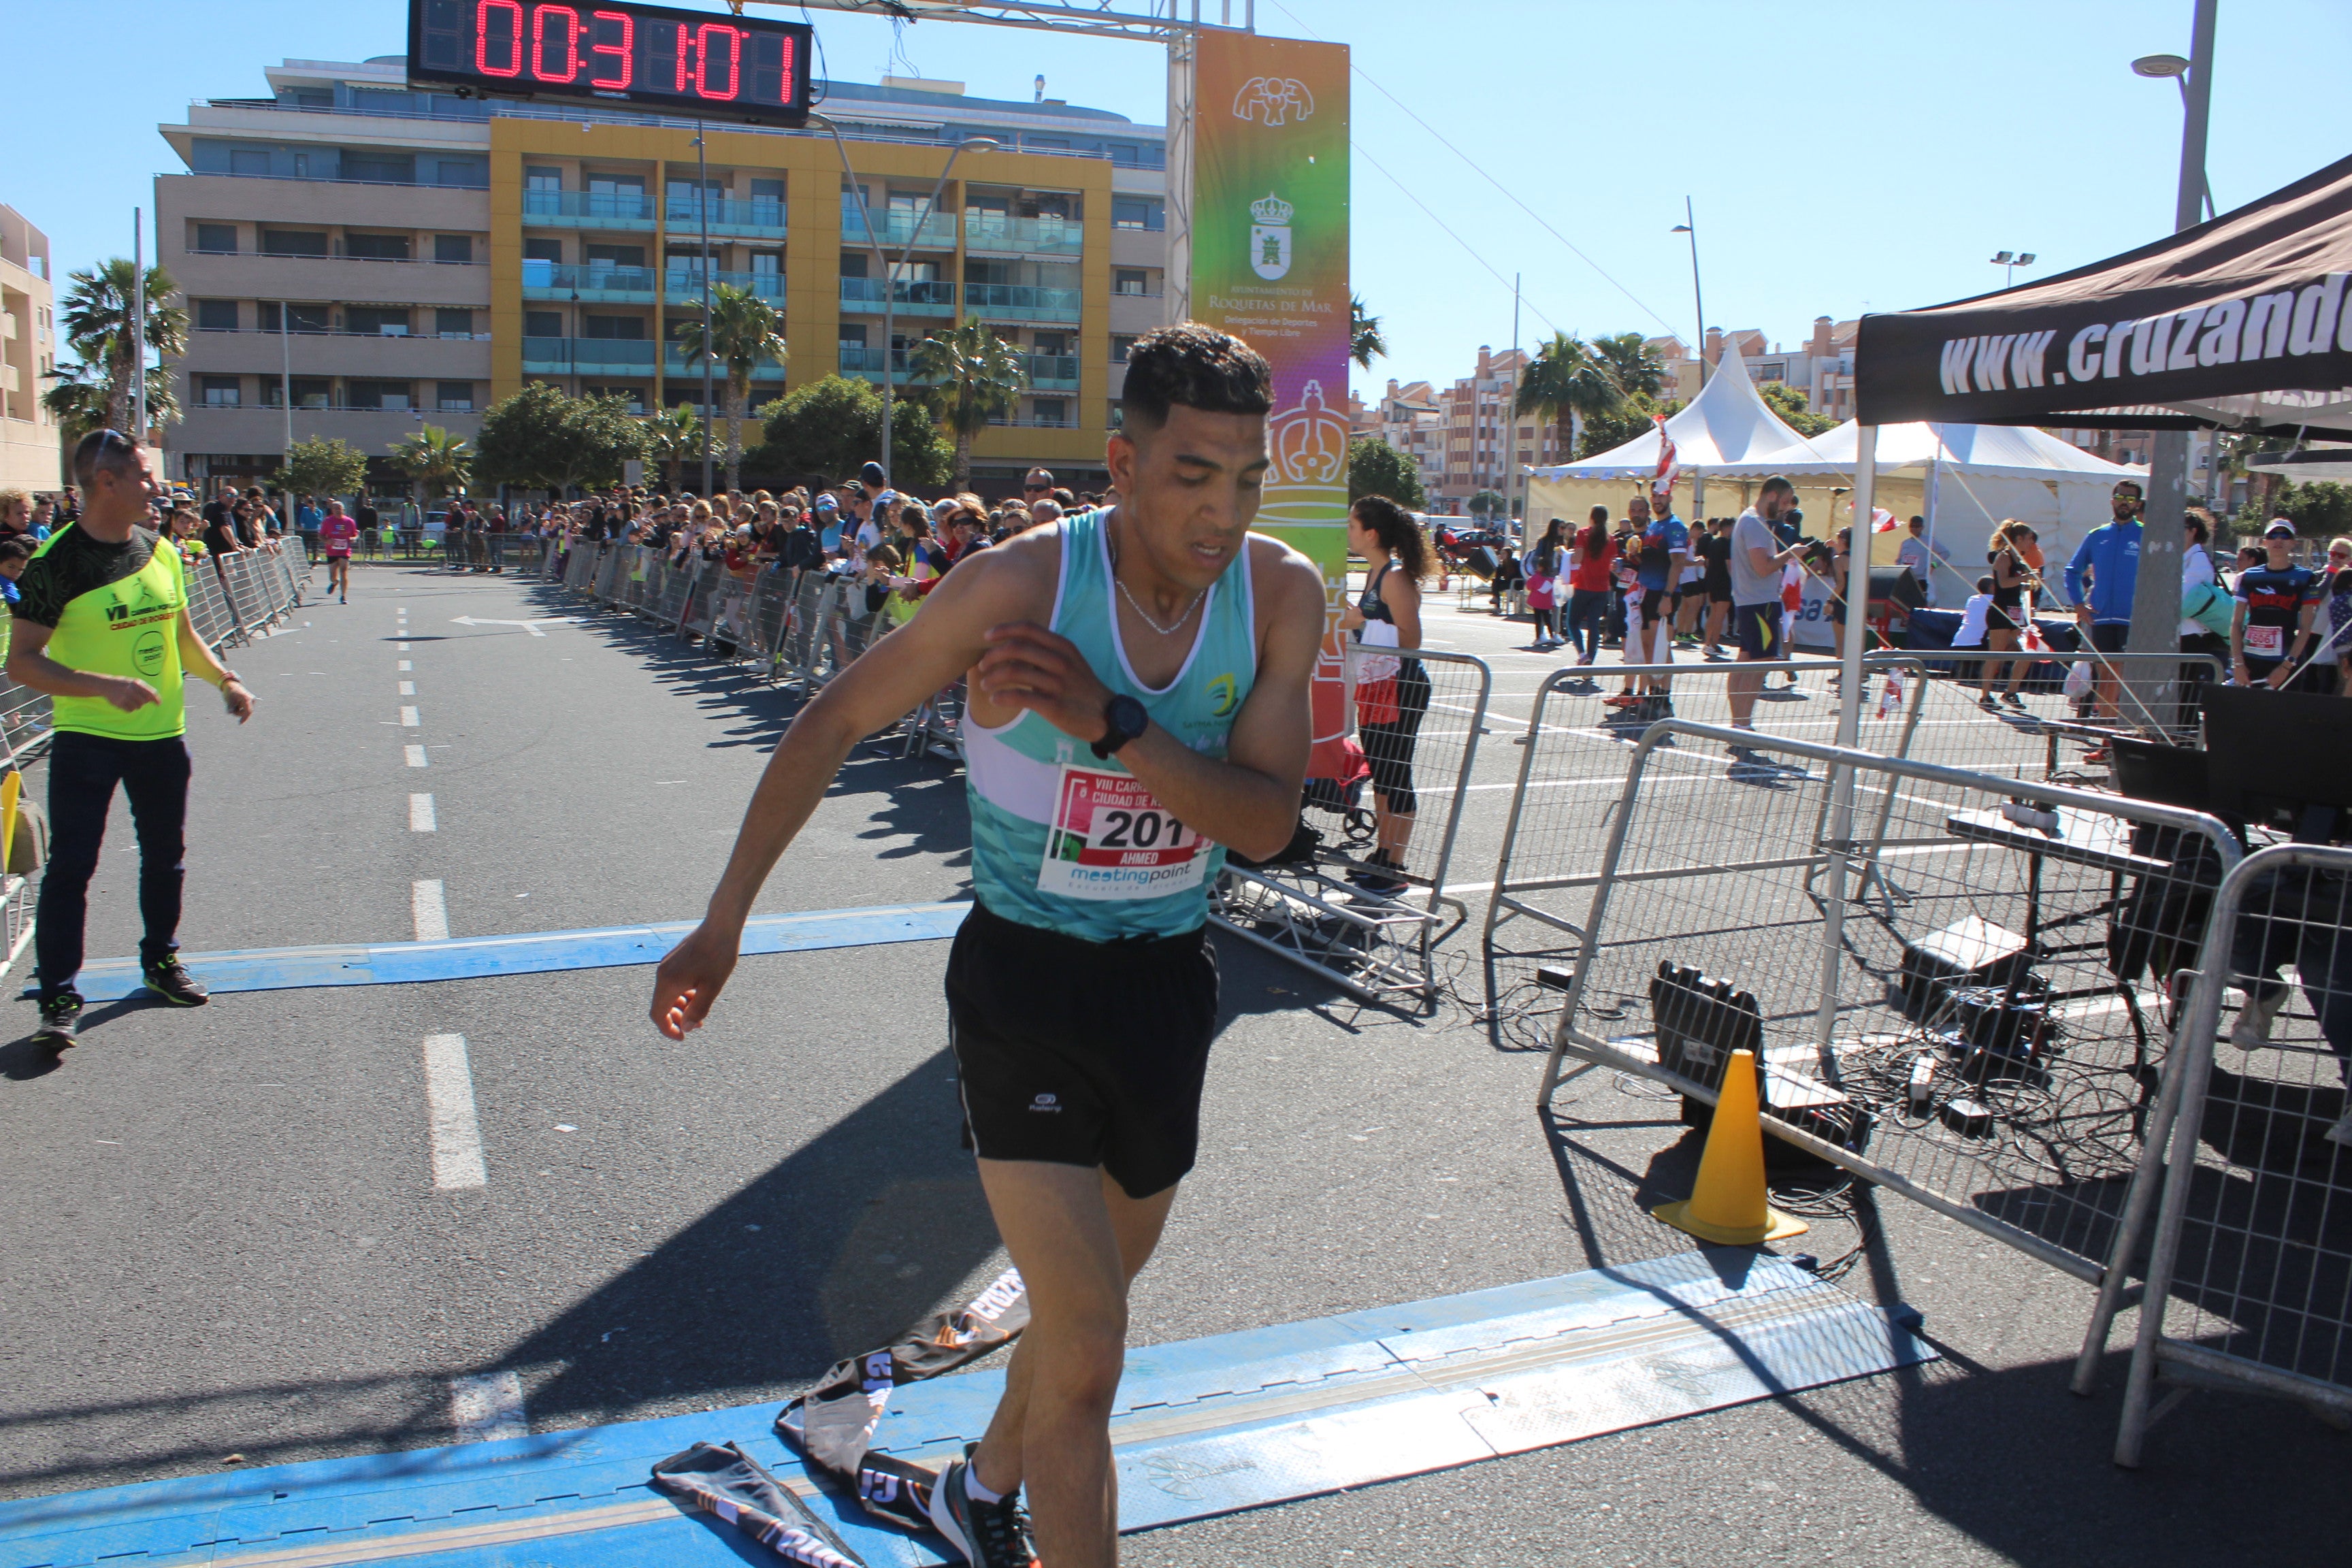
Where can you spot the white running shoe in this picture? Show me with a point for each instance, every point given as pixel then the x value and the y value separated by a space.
pixel 2252 1030
pixel 2342 1132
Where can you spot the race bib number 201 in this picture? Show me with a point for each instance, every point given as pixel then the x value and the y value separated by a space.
pixel 1110 840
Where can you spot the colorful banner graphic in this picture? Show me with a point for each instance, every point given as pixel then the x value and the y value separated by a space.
pixel 1270 266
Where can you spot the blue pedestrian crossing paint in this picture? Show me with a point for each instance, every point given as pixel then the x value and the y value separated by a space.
pixel 536 953
pixel 1202 1426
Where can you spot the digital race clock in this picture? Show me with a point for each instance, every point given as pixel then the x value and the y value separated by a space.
pixel 702 63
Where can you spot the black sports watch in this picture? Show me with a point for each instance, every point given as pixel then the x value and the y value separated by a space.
pixel 1123 720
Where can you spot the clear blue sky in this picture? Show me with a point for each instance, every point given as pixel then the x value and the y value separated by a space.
pixel 1843 156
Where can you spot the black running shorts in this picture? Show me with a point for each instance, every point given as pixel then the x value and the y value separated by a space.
pixel 1082 1053
pixel 1755 630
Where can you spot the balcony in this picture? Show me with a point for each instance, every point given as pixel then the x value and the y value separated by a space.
pixel 588 356
pixel 865 361
pixel 683 285
pixel 588 209
pixel 1053 373
pixel 599 285
pixel 909 297
pixel 897 229
pixel 1020 302
pixel 1024 236
pixel 677 365
pixel 760 215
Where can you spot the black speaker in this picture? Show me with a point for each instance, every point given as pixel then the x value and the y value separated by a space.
pixel 1969 952
pixel 1481 563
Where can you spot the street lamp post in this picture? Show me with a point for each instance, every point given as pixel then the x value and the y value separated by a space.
pixel 2009 264
pixel 1699 301
pixel 2156 589
pixel 974 144
pixel 709 360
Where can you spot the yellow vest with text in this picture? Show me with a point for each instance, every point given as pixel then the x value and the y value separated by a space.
pixel 128 627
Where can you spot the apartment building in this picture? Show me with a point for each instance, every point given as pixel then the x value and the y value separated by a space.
pixel 1821 367
pixel 31 455
pixel 359 258
pixel 1486 442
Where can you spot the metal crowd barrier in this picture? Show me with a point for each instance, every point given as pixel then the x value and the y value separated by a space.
pixel 2249 1284
pixel 1979 1040
pixel 1377 946
pixel 1571 774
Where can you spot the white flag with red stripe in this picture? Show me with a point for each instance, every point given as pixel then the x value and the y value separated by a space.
pixel 1662 483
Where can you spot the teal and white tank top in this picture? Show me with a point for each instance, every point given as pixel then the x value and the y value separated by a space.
pixel 1070 843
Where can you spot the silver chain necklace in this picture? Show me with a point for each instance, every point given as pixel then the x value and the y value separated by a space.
pixel 1172 629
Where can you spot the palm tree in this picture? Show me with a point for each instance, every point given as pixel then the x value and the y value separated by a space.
pixel 1568 383
pixel 973 376
pixel 96 320
pixel 79 401
pixel 674 437
pixel 1364 341
pixel 1633 363
pixel 744 330
pixel 435 460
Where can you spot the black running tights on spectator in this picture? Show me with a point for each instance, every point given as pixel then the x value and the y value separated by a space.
pixel 83 772
pixel 1388 748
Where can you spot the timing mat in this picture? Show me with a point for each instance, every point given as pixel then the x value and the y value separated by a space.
pixel 1203 1426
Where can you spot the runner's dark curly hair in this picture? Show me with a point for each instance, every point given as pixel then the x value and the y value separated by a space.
pixel 1197 366
pixel 1398 530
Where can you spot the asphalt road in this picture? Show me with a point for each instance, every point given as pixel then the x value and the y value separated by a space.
pixel 223 1234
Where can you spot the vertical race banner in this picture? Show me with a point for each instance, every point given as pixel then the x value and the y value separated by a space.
pixel 1270 266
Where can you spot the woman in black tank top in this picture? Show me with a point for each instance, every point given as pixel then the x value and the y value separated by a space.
pixel 1389 710
pixel 2007 617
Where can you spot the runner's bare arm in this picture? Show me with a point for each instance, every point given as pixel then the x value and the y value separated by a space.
pixel 918 659
pixel 1249 801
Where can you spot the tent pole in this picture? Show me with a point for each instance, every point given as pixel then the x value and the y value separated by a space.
pixel 1857 585
pixel 1842 779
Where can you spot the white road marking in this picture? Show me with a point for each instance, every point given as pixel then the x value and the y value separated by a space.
pixel 415 756
pixel 403 664
pixel 408 688
pixel 408 718
pixel 488 1407
pixel 456 1135
pixel 431 913
pixel 420 814
pixel 401 647
pixel 531 627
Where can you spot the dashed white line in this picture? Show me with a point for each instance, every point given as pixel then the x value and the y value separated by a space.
pixel 403 664
pixel 415 756
pixel 488 1407
pixel 408 688
pixel 420 814
pixel 408 718
pixel 456 1135
pixel 432 915
pixel 401 647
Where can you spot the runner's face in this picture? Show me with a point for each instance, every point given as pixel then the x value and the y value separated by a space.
pixel 1192 487
pixel 2126 505
pixel 2281 552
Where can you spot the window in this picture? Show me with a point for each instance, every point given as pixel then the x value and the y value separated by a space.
pixel 219 239
pixel 614 185
pixel 454 248
pixel 853 266
pixel 313 391
pixel 1118 349
pixel 471 171
pixel 1044 143
pixel 450 323
pixel 542 324
pixel 246 161
pixel 599 257
pixel 379 394
pixel 768 201
pixel 1129 280
pixel 543 250
pixel 216 315
pixel 454 396
pixel 853 333
pixel 1053 410
pixel 386 168
pixel 220 391
pixel 543 179
pixel 631 329
pixel 1136 212
pixel 301 165
pixel 377 321
pixel 301 318
pixel 376 246
pixel 767 264
pixel 293 242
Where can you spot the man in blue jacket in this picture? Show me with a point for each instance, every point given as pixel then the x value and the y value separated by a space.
pixel 2100 579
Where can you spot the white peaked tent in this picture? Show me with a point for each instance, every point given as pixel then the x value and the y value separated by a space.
pixel 1728 422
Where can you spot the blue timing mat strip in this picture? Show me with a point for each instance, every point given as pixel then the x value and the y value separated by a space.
pixel 536 953
pixel 1202 1426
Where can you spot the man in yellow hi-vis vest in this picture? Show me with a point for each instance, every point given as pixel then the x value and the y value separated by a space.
pixel 101 624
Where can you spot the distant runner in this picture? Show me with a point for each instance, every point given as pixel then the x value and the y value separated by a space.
pixel 1139 700
pixel 336 532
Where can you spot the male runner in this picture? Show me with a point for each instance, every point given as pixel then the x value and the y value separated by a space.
pixel 2274 624
pixel 336 532
pixel 1138 699
pixel 101 624
pixel 2101 579
pixel 1665 550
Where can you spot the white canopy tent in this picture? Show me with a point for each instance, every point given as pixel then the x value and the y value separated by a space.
pixel 1728 423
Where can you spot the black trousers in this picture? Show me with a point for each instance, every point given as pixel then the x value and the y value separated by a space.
pixel 83 772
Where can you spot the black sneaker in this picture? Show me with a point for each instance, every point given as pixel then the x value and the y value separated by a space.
pixel 169 979
pixel 1379 874
pixel 60 1018
pixel 988 1534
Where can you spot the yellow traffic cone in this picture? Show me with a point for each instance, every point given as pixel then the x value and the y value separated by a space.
pixel 1729 1207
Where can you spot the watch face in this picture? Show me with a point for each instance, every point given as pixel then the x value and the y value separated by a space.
pixel 1128 716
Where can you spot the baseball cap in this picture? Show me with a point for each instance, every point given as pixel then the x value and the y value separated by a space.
pixel 2280 527
pixel 824 502
pixel 873 476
